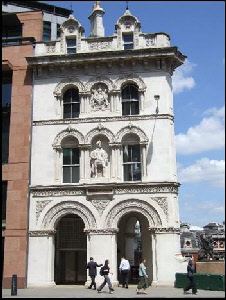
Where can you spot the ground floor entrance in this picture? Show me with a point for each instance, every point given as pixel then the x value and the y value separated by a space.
pixel 70 251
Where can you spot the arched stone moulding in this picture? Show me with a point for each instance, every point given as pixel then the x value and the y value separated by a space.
pixel 66 83
pixel 100 129
pixel 130 78
pixel 132 129
pixel 69 132
pixel 152 212
pixel 98 79
pixel 50 218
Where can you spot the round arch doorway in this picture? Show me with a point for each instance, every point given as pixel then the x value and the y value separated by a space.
pixel 134 243
pixel 70 251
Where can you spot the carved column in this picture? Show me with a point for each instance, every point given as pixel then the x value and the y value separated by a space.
pixel 86 164
pixel 141 99
pixel 119 161
pixel 82 162
pixel 58 105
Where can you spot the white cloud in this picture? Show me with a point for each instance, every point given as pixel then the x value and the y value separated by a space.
pixel 208 135
pixel 212 171
pixel 180 79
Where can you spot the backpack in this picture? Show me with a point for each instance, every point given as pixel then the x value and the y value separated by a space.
pixel 102 271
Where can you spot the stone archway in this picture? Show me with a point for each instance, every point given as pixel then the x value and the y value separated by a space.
pixel 70 251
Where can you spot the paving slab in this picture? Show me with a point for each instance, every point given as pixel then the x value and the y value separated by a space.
pixel 72 291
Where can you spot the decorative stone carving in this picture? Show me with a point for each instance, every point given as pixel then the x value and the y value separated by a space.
pixel 100 205
pixel 99 130
pixel 68 82
pixel 148 189
pixel 132 129
pixel 66 133
pixel 130 78
pixel 51 48
pixel 130 205
pixel 40 205
pixel 58 192
pixel 99 161
pixel 150 41
pixel 162 202
pixel 101 79
pixel 103 119
pixel 68 207
pixel 99 98
pixel 97 46
pixel 102 231
pixel 164 230
pixel 41 232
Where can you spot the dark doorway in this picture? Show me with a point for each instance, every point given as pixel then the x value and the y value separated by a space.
pixel 71 251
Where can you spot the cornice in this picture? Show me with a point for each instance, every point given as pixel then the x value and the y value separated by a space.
pixel 87 57
pixel 158 230
pixel 114 188
pixel 102 119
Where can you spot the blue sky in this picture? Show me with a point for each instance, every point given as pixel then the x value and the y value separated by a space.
pixel 197 29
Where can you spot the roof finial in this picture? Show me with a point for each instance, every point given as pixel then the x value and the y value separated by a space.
pixel 127 6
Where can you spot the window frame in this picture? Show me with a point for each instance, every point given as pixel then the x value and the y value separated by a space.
pixel 71 165
pixel 47 31
pixel 128 43
pixel 130 101
pixel 72 102
pixel 131 163
pixel 71 47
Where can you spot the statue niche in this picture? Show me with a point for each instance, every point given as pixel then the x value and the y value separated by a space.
pixel 99 97
pixel 98 161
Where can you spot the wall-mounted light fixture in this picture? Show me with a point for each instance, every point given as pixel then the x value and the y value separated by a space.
pixel 157 97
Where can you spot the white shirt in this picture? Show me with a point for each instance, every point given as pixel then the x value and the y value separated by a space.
pixel 124 265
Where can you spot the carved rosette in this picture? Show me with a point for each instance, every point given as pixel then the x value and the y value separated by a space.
pixel 100 205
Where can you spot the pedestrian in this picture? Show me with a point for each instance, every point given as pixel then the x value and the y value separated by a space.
pixel 190 275
pixel 143 282
pixel 92 266
pixel 105 270
pixel 124 269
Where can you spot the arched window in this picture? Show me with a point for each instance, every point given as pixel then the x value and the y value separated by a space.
pixel 71 103
pixel 130 100
pixel 70 164
pixel 131 158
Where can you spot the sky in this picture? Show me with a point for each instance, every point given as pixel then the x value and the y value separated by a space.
pixel 197 29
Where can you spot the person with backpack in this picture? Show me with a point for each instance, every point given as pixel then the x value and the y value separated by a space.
pixel 104 271
pixel 92 266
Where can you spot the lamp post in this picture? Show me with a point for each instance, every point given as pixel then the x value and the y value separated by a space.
pixel 157 97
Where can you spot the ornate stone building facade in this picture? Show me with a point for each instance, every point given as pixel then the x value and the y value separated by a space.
pixel 103 155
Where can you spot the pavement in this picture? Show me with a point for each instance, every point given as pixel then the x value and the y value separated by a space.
pixel 75 291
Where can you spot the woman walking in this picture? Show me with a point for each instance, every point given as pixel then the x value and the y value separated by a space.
pixel 143 282
pixel 105 271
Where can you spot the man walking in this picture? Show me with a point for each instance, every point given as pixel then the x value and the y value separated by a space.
pixel 124 269
pixel 92 266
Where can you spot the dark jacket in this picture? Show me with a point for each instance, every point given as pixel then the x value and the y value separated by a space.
pixel 92 266
pixel 190 271
pixel 106 270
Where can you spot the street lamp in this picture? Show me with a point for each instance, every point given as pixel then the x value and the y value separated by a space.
pixel 157 97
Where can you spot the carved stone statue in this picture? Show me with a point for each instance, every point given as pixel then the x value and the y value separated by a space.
pixel 99 98
pixel 99 161
pixel 206 250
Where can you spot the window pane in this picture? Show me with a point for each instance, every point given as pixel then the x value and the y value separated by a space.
pixel 133 92
pixel 67 111
pixel 66 174
pixel 75 110
pixel 128 38
pixel 75 95
pixel 136 171
pixel 75 174
pixel 127 173
pixel 58 30
pixel 128 46
pixel 125 154
pixel 71 50
pixel 125 108
pixel 66 156
pixel 126 93
pixel 6 94
pixel 4 197
pixel 135 153
pixel 75 156
pixel 134 108
pixel 46 31
pixel 71 42
pixel 67 96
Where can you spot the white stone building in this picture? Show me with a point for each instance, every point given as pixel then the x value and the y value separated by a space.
pixel 103 155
